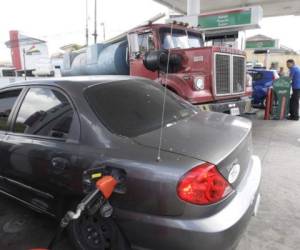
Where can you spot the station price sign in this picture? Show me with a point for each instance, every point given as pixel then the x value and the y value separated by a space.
pixel 237 19
pixel 229 19
pixel 233 19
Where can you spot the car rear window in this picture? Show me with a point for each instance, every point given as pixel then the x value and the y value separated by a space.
pixel 134 107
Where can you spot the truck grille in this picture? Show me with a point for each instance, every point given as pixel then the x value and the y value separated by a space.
pixel 238 74
pixel 222 74
pixel 229 74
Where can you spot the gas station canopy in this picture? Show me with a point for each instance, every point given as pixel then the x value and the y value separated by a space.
pixel 271 8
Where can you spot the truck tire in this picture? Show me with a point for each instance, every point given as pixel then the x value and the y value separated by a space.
pixel 96 233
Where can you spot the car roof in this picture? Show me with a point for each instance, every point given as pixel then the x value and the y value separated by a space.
pixel 68 82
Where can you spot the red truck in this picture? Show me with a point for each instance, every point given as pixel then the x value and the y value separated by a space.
pixel 214 78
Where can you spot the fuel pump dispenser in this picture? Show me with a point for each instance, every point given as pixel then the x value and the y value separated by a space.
pixel 278 99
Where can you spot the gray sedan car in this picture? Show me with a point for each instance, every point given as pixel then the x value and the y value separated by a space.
pixel 197 191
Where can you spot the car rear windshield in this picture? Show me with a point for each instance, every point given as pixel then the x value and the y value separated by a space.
pixel 134 107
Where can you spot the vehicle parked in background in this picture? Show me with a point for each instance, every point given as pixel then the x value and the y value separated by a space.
pixel 7 72
pixel 251 65
pixel 212 78
pixel 10 75
pixel 7 75
pixel 262 80
pixel 56 135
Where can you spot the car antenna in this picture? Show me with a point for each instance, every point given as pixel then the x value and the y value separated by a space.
pixel 164 101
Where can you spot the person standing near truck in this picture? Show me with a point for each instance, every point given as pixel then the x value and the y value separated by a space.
pixel 295 77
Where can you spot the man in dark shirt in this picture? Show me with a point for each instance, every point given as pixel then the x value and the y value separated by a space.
pixel 294 103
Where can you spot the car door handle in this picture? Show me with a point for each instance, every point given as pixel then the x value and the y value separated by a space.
pixel 59 163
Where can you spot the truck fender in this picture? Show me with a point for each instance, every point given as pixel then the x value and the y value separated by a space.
pixel 174 86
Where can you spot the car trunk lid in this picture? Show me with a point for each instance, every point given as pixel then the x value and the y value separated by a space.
pixel 222 140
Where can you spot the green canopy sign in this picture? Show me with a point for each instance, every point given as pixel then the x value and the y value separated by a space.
pixel 264 44
pixel 223 20
pixel 233 19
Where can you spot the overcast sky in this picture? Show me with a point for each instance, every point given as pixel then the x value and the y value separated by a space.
pixel 63 21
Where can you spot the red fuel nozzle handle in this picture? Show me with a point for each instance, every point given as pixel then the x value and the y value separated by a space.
pixel 95 200
pixel 106 186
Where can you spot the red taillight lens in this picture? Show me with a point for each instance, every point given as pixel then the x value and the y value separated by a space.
pixel 203 185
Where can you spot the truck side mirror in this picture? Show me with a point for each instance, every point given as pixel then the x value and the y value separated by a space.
pixel 133 41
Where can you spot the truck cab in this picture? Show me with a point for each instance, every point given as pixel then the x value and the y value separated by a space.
pixel 212 77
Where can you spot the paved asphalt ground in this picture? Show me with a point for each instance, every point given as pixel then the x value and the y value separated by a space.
pixel 276 227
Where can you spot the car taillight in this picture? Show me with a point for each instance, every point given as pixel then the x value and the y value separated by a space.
pixel 203 185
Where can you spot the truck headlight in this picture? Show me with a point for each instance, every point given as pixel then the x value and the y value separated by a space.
pixel 199 83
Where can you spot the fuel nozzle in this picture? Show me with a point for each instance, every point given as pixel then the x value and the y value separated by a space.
pixel 106 185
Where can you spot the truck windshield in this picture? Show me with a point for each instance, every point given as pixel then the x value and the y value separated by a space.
pixel 181 39
pixel 134 107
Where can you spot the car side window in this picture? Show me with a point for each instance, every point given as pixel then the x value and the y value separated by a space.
pixel 7 101
pixel 44 112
